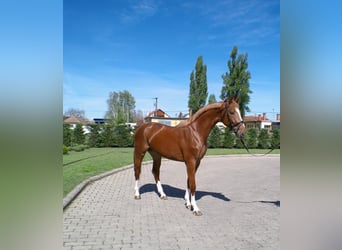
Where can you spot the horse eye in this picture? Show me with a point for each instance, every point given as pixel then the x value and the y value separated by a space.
pixel 231 112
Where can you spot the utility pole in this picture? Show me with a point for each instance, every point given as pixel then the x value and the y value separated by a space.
pixel 156 103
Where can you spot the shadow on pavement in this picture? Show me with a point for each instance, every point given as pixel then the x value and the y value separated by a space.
pixel 275 203
pixel 174 192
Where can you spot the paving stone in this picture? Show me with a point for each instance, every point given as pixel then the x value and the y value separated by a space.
pixel 238 195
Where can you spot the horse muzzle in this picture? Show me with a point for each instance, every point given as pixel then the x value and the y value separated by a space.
pixel 239 129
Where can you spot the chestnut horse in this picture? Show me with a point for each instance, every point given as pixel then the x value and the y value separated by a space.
pixel 186 142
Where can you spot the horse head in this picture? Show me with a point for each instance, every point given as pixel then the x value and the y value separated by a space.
pixel 232 117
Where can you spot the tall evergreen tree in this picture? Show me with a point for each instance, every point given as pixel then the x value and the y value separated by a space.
pixel 95 135
pixel 212 99
pixel 123 136
pixel 198 87
pixel 67 135
pixel 108 136
pixel 79 136
pixel 236 81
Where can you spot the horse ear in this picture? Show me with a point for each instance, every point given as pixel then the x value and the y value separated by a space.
pixel 237 99
pixel 230 99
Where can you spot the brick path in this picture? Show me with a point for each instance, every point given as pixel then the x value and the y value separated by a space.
pixel 238 195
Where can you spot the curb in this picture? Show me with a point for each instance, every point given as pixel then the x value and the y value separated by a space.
pixel 78 189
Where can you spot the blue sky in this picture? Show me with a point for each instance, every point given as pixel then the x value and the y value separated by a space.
pixel 150 47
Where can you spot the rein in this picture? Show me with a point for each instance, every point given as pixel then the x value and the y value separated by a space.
pixel 238 124
pixel 244 144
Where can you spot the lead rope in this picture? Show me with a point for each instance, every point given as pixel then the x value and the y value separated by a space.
pixel 244 144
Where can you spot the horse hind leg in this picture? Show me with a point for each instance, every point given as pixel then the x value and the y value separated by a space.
pixel 187 196
pixel 156 172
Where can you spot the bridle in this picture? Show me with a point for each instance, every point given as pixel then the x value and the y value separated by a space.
pixel 238 124
pixel 233 126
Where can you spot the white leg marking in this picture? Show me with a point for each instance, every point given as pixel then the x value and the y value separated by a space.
pixel 187 198
pixel 194 205
pixel 136 188
pixel 160 190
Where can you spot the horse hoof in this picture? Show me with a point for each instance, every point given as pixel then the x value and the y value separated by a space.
pixel 163 197
pixel 137 197
pixel 197 213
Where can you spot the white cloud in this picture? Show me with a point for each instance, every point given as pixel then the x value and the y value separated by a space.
pixel 138 11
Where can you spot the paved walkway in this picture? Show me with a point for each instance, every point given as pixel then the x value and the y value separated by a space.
pixel 238 195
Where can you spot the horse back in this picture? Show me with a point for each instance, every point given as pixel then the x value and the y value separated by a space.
pixel 165 140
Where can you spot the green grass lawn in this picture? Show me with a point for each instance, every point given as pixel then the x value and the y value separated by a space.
pixel 79 166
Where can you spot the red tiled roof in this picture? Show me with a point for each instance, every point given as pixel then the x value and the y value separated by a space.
pixel 157 113
pixel 75 120
pixel 255 118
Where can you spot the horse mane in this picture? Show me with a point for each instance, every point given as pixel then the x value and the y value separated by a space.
pixel 199 113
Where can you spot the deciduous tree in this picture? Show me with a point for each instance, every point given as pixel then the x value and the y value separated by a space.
pixel 121 107
pixel 75 112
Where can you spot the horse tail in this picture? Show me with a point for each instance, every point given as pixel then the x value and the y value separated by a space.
pixel 140 148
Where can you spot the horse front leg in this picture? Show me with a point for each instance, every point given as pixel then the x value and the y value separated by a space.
pixel 187 196
pixel 191 170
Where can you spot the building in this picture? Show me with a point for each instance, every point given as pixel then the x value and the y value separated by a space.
pixel 276 123
pixel 73 121
pixel 258 122
pixel 101 120
pixel 159 116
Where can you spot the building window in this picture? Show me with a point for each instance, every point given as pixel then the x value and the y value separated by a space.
pixel 268 127
pixel 165 122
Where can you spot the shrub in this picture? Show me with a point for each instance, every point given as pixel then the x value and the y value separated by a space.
pixel 67 135
pixel 263 139
pixel 65 150
pixel 95 138
pixel 123 136
pixel 214 139
pixel 251 138
pixel 229 138
pixel 275 139
pixel 79 136
pixel 238 143
pixel 78 148
pixel 107 136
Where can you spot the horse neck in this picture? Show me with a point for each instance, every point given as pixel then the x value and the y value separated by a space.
pixel 206 121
